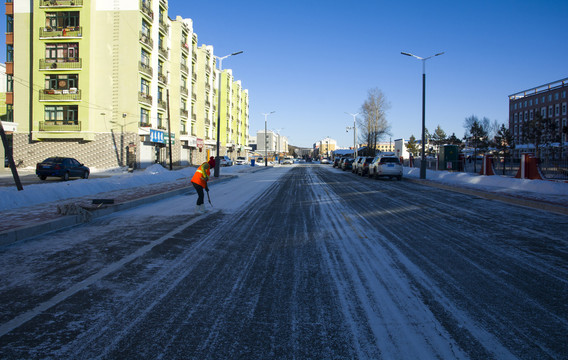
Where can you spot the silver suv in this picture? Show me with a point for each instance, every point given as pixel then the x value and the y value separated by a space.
pixel 356 163
pixel 386 165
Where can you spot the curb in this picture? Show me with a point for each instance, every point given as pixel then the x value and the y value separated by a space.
pixel 520 201
pixel 12 236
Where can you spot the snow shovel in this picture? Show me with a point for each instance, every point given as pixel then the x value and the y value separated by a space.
pixel 208 198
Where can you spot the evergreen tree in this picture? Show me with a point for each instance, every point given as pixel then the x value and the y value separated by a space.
pixel 412 146
pixel 504 142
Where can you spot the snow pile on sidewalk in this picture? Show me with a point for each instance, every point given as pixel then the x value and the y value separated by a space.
pixel 11 198
pixel 536 189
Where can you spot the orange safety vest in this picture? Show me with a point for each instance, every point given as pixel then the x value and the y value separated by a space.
pixel 201 178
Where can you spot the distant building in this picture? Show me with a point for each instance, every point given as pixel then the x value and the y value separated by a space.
pixel 325 147
pixel 549 100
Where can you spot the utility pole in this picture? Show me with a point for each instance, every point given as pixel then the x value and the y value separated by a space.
pixel 169 129
pixel 10 158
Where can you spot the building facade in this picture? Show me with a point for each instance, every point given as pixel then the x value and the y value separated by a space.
pixel 549 100
pixel 271 143
pixel 110 83
pixel 324 148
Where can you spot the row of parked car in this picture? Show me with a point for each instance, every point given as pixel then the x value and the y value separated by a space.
pixel 386 164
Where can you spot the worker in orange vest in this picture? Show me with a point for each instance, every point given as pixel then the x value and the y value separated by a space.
pixel 199 181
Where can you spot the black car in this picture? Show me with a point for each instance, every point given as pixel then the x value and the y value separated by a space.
pixel 62 167
pixel 347 164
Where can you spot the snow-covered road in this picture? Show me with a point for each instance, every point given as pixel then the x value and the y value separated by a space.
pixel 295 263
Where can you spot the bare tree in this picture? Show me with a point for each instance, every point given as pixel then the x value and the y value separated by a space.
pixel 374 125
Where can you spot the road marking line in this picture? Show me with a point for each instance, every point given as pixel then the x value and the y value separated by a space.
pixel 27 316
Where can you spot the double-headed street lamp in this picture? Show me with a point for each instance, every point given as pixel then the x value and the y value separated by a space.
pixel 423 157
pixel 266 138
pixel 354 133
pixel 217 158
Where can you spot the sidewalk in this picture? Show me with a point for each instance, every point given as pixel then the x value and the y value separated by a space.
pixel 35 220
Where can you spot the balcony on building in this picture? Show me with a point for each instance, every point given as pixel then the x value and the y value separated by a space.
pixel 145 98
pixel 164 3
pixel 184 113
pixel 163 78
pixel 163 52
pixel 146 8
pixel 60 3
pixel 71 94
pixel 193 117
pixel 61 64
pixel 193 96
pixel 184 46
pixel 50 32
pixel 194 56
pixel 184 68
pixel 164 27
pixel 145 69
pixel 162 105
pixel 184 91
pixel 146 40
pixel 60 125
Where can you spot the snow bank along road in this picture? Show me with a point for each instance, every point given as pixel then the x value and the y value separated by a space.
pixel 294 263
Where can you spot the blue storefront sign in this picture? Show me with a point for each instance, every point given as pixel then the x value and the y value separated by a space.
pixel 157 136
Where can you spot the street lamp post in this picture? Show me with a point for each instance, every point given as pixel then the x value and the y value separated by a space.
pixel 423 157
pixel 354 134
pixel 265 138
pixel 217 158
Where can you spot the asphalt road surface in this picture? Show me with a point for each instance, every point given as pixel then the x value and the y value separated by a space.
pixel 321 265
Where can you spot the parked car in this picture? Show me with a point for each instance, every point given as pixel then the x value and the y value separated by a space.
pixel 226 161
pixel 386 165
pixel 241 160
pixel 260 160
pixel 363 167
pixel 356 163
pixel 63 167
pixel 325 161
pixel 336 162
pixel 347 164
pixel 288 161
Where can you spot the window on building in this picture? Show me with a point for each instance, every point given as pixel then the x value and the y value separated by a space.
pixel 144 116
pixel 9 83
pixel 549 97
pixel 66 113
pixel 61 82
pixel 9 113
pixel 556 96
pixel 145 87
pixel 543 112
pixel 536 101
pixel 564 94
pixel 160 120
pixel 550 113
pixel 61 52
pixel 543 99
pixel 9 53
pixel 563 108
pixel 9 23
pixel 530 102
pixel 160 94
pixel 557 110
pixel 146 29
pixel 160 67
pixel 62 19
pixel 145 58
pixel 531 113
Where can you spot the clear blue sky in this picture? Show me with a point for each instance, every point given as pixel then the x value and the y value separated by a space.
pixel 312 61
